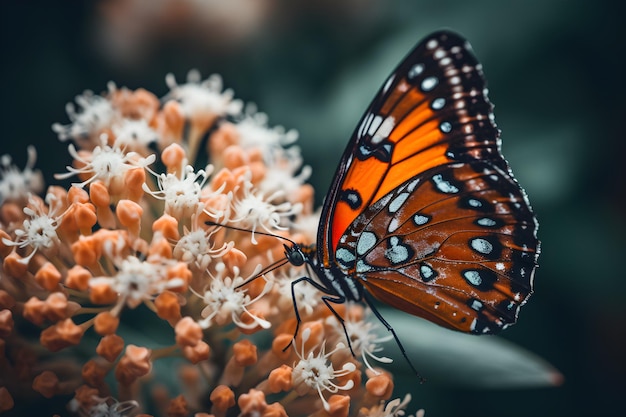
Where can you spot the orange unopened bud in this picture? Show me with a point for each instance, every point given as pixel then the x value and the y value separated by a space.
pixel 77 195
pixel 244 353
pixel 86 396
pixel 222 398
pixel 93 372
pixel 188 332
pixel 279 343
pixel 134 179
pixel 168 306
pixel 6 400
pixel 339 405
pixel 280 379
pixel 46 383
pixel 134 364
pixel 6 300
pixel 35 310
pixel 168 226
pixel 106 323
pixel 63 334
pixel 6 323
pixel 380 386
pixel 14 265
pixel 275 410
pixel 160 247
pixel 78 278
pixel 129 214
pixel 85 251
pixel 99 194
pixel 179 270
pixel 200 352
pixel 177 407
pixel 4 249
pixel 56 307
pixel 252 403
pixel 173 157
pixel 85 217
pixel 102 294
pixel 110 347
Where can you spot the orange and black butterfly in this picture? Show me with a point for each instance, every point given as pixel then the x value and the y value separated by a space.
pixel 424 213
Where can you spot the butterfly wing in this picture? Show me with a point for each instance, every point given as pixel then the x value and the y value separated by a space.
pixel 424 210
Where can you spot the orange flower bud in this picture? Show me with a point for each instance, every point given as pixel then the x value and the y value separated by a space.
pixel 222 398
pixel 168 306
pixel 168 226
pixel 188 332
pixel 47 384
pixel 380 386
pixel 110 347
pixel 63 334
pixel 280 379
pixel 252 403
pixel 106 323
pixel 244 353
pixel 78 278
pixel 6 323
pixel 6 400
pixel 200 352
pixel 177 407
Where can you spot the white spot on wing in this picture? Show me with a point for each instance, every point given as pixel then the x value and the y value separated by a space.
pixel 429 83
pixel 366 241
pixel 443 185
pixel 385 130
pixel 397 202
pixel 481 245
pixel 473 277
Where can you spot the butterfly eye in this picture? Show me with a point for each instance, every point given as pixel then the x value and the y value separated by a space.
pixel 294 255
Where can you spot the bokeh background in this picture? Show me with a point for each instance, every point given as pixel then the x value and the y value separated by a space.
pixel 556 74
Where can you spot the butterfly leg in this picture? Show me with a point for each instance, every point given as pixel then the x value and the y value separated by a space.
pixel 380 318
pixel 337 299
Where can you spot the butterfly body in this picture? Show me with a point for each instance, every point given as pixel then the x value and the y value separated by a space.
pixel 424 213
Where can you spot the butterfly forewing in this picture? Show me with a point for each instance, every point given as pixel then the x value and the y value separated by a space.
pixel 424 211
pixel 432 110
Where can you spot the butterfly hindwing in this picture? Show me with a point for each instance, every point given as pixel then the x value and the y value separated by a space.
pixel 455 244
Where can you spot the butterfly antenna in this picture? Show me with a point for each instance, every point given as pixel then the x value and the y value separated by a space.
pixel 239 229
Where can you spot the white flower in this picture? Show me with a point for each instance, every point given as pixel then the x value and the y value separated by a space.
pixel 197 246
pixel 16 184
pixel 307 296
pixel 105 407
pixel 254 132
pixel 134 134
pixel 316 372
pixel 364 340
pixel 282 171
pixel 105 163
pixel 226 300
pixel 394 408
pixel 39 231
pixel 96 113
pixel 253 210
pixel 181 192
pixel 138 280
pixel 198 98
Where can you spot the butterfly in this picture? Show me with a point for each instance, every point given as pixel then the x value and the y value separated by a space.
pixel 424 214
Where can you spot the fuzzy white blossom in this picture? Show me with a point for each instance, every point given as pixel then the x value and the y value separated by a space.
pixel 95 114
pixel 316 372
pixel 226 300
pixel 15 185
pixel 39 230
pixel 104 163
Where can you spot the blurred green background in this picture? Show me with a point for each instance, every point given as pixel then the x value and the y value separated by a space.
pixel 556 75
